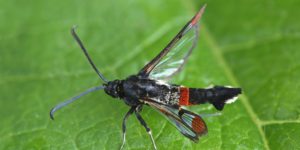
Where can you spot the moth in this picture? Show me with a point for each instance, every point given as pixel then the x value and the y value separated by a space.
pixel 151 86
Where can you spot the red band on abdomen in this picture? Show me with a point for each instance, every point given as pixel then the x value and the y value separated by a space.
pixel 184 96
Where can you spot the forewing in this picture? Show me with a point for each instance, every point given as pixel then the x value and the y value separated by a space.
pixel 172 58
pixel 189 124
pixel 173 62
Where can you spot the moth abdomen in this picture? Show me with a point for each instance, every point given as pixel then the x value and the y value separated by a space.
pixel 218 96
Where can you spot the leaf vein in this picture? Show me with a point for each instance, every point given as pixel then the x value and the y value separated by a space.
pixel 223 64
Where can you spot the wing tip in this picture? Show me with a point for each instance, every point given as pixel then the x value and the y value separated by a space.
pixel 199 125
pixel 200 131
pixel 198 16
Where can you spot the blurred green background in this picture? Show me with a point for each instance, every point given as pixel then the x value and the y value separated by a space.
pixel 252 44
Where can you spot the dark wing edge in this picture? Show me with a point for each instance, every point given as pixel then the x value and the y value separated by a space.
pixel 193 23
pixel 188 123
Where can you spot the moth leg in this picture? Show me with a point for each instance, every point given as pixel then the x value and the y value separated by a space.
pixel 143 123
pixel 182 111
pixel 131 110
pixel 211 115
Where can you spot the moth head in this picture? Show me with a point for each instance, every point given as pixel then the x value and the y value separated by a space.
pixel 113 88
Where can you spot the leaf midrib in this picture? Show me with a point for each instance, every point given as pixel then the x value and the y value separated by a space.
pixel 216 50
pixel 217 53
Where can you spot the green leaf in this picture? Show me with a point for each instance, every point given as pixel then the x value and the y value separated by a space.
pixel 251 44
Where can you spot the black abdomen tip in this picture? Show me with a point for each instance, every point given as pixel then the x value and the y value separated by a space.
pixel 224 95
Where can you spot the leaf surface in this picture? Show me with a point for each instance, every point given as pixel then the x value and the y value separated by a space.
pixel 251 44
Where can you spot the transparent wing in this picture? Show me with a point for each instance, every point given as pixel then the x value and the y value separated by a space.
pixel 173 62
pixel 189 124
pixel 172 58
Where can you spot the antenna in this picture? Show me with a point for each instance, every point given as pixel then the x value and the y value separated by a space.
pixel 65 103
pixel 87 54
